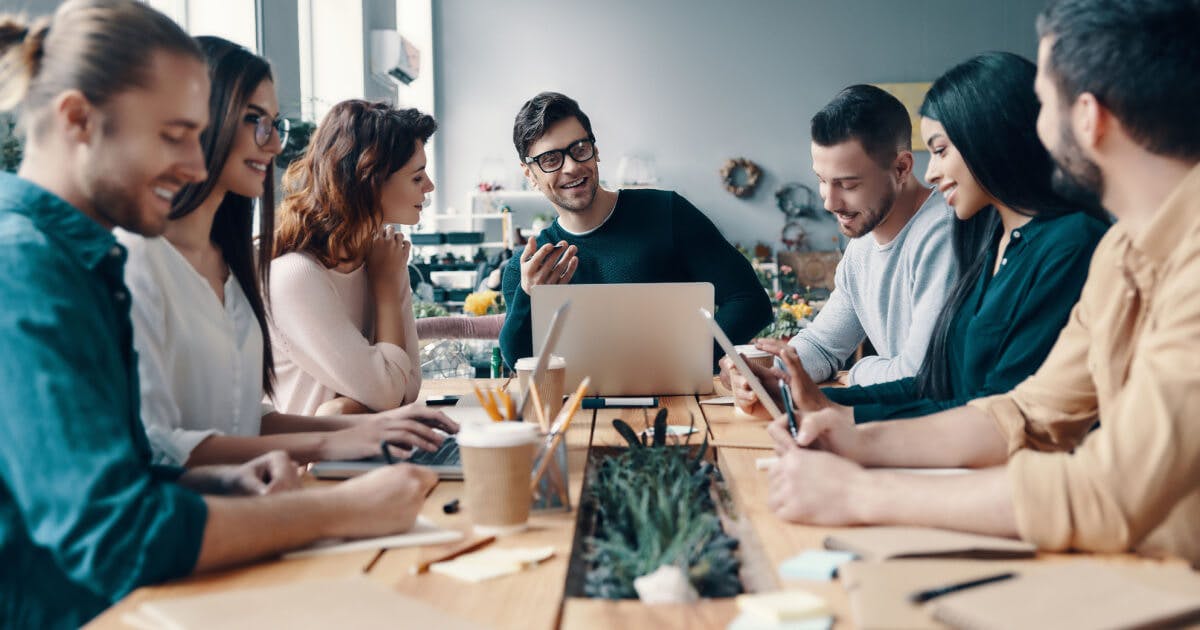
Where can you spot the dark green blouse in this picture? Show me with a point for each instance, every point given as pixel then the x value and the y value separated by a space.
pixel 1007 324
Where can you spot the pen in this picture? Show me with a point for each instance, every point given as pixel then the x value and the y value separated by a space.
pixel 921 597
pixel 475 546
pixel 787 403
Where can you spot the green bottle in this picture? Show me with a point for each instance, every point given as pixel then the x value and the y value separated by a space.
pixel 496 364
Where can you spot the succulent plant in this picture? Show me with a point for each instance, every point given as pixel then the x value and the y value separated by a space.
pixel 654 506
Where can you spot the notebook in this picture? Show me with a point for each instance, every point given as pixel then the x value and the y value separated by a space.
pixel 882 543
pixel 878 592
pixel 423 532
pixel 355 602
pixel 1079 595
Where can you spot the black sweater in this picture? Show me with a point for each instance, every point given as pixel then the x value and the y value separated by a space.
pixel 652 236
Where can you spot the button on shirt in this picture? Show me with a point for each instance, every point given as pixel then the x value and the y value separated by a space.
pixel 84 517
pixel 1129 358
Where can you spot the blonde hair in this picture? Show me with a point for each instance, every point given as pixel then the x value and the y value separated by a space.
pixel 99 47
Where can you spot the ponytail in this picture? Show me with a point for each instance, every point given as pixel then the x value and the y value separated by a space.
pixel 21 49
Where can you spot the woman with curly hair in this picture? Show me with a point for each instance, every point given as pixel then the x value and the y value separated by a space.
pixel 343 329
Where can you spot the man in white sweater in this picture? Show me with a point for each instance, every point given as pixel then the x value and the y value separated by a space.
pixel 900 265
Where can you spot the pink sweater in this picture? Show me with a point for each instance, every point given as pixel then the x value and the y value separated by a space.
pixel 322 331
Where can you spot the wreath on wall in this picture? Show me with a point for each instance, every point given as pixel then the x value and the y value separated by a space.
pixel 750 173
pixel 796 200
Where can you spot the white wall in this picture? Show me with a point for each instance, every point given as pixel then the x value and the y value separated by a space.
pixel 693 82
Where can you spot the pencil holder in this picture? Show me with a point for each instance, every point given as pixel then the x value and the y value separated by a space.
pixel 551 493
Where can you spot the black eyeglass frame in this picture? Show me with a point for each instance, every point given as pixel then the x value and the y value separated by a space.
pixel 563 152
pixel 263 129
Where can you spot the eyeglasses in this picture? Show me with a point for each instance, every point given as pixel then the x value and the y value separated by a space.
pixel 551 161
pixel 263 126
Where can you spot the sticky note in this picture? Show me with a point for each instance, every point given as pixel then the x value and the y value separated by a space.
pixel 816 564
pixel 748 621
pixel 781 606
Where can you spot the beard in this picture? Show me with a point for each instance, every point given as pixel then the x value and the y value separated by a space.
pixel 872 216
pixel 120 206
pixel 575 205
pixel 1075 177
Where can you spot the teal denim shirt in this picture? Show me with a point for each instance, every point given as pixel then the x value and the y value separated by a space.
pixel 84 517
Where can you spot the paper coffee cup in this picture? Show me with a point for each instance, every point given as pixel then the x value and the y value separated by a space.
pixel 550 389
pixel 497 466
pixel 753 355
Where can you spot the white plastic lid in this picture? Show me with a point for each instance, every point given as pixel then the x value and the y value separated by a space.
pixel 528 364
pixel 750 351
pixel 497 435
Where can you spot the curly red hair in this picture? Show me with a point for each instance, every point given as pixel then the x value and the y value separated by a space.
pixel 331 207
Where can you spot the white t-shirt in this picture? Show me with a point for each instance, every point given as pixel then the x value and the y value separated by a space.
pixel 199 362
pixel 323 339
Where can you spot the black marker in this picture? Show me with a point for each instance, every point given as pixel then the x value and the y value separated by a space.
pixel 920 597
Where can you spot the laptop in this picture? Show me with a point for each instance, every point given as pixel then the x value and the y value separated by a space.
pixel 631 339
pixel 446 461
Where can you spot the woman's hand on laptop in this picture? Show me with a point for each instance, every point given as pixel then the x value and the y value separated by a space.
pixel 410 426
pixel 544 265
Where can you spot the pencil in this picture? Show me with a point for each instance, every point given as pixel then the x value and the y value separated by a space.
pixel 423 567
pixel 537 406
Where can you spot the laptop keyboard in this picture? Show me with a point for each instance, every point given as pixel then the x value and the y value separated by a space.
pixel 446 455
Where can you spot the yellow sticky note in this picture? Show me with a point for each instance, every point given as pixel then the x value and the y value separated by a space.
pixel 781 606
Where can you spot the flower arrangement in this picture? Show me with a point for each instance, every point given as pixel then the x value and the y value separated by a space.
pixel 792 314
pixel 421 308
pixel 486 302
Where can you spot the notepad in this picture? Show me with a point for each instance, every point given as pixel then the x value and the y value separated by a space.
pixel 881 543
pixel 1080 595
pixel 492 563
pixel 814 565
pixel 423 532
pixel 783 606
pixel 356 602
pixel 749 621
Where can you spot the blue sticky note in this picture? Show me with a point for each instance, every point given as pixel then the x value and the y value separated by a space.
pixel 750 621
pixel 814 565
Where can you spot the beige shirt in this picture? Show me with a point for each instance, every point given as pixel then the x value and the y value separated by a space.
pixel 322 336
pixel 1130 358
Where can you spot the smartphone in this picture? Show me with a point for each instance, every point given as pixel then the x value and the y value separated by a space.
pixel 444 400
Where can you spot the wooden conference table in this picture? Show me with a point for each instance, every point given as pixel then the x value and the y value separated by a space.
pixel 534 598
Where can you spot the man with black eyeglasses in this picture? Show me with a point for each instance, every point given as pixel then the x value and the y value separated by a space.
pixel 613 236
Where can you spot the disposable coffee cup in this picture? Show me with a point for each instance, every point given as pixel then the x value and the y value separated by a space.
pixel 550 389
pixel 497 463
pixel 754 356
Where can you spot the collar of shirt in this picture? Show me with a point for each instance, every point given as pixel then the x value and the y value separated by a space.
pixel 1140 258
pixel 86 240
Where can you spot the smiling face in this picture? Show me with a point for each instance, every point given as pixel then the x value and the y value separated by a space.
pixel 147 146
pixel 948 171
pixel 573 187
pixel 403 193
pixel 856 189
pixel 245 169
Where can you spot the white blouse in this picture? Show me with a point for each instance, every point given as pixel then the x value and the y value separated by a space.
pixel 199 362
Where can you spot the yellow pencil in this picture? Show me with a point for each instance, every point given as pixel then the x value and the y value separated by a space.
pixel 568 411
pixel 487 406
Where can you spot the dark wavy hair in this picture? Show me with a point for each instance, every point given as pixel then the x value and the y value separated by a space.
pixel 331 207
pixel 235 73
pixel 989 110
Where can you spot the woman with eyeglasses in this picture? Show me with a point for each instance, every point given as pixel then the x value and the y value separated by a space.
pixel 200 320
pixel 343 325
